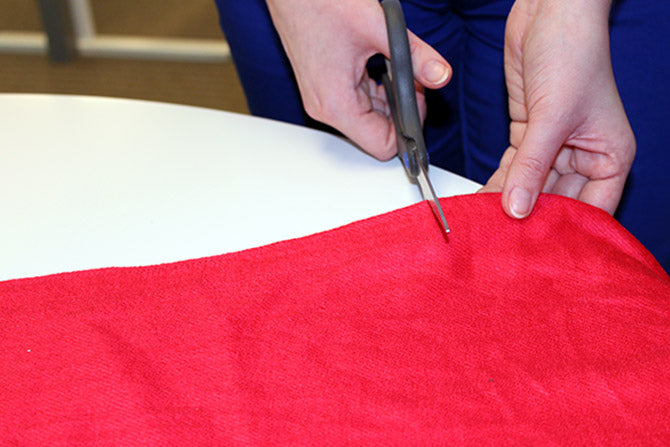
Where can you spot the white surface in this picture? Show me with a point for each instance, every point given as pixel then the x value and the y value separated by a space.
pixel 93 182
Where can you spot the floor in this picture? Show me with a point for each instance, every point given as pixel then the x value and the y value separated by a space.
pixel 212 85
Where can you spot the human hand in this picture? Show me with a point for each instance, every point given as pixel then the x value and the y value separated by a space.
pixel 569 133
pixel 328 43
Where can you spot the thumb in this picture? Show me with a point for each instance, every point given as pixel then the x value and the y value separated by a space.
pixel 430 68
pixel 530 167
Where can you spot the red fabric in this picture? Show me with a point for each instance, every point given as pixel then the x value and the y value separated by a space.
pixel 552 330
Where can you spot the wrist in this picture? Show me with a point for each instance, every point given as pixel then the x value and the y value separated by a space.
pixel 591 8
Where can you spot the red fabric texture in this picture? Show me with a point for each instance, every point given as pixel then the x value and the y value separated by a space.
pixel 551 330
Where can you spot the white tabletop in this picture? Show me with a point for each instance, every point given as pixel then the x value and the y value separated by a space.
pixel 90 182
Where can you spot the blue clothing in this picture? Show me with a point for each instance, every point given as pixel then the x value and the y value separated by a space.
pixel 467 126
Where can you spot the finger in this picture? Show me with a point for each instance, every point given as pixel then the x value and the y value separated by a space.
pixel 370 128
pixel 421 104
pixel 550 181
pixel 495 183
pixel 373 133
pixel 528 171
pixel 430 68
pixel 570 185
pixel 607 173
pixel 517 129
pixel 497 180
pixel 605 194
pixel 377 96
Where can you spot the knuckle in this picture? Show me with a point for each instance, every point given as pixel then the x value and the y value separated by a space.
pixel 532 166
pixel 313 108
pixel 621 158
pixel 631 144
pixel 324 111
pixel 317 106
pixel 507 159
pixel 387 152
pixel 413 47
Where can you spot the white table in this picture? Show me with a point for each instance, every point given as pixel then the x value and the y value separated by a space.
pixel 90 182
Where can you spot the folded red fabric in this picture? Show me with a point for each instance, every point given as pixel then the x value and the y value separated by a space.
pixel 550 330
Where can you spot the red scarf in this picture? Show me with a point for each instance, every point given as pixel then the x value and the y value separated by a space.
pixel 554 329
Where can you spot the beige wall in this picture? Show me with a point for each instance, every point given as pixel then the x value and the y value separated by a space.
pixel 213 85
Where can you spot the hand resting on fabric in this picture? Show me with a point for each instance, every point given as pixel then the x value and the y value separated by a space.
pixel 569 133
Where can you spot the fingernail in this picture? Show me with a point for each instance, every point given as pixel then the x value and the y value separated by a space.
pixel 520 202
pixel 435 72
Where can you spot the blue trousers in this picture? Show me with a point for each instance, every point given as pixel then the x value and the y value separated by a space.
pixel 467 126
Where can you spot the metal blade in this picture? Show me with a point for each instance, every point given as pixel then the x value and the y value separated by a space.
pixel 428 194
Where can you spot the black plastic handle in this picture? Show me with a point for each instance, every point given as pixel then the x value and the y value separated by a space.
pixel 406 114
